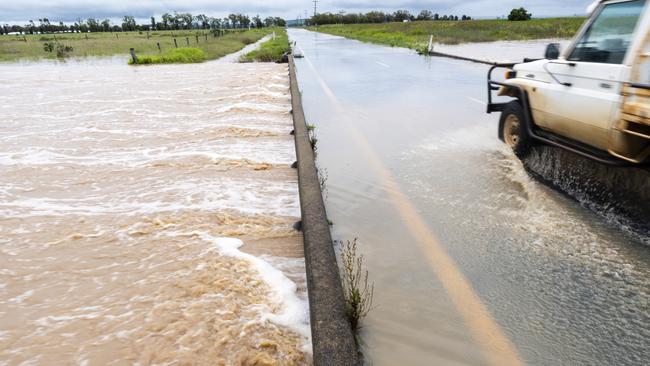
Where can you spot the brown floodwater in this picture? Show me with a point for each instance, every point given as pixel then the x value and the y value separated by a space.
pixel 146 216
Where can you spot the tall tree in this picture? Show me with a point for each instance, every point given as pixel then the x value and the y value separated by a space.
pixel 93 24
pixel 167 20
pixel 257 21
pixel 402 15
pixel 203 21
pixel 215 23
pixel 425 15
pixel 128 23
pixel 233 20
pixel 519 14
pixel 106 25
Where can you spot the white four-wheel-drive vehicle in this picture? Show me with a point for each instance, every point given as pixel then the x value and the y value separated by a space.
pixel 592 99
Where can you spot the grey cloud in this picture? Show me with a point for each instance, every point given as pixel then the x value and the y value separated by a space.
pixel 70 10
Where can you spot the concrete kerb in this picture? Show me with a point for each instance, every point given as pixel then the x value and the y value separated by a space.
pixel 332 338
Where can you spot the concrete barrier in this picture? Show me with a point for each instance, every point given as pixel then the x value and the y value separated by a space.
pixel 332 338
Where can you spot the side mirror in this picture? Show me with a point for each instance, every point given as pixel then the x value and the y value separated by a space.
pixel 552 51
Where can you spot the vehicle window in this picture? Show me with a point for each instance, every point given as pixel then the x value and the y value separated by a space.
pixel 610 35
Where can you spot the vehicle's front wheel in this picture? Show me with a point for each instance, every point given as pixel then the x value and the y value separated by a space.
pixel 513 130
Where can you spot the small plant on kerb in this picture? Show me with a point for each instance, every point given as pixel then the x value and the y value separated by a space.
pixel 322 181
pixel 313 141
pixel 354 277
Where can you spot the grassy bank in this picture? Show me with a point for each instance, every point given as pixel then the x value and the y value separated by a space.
pixel 271 50
pixel 174 56
pixel 415 35
pixel 32 47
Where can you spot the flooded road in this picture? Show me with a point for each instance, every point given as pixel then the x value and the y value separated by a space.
pixel 146 216
pixel 474 261
pixel 501 51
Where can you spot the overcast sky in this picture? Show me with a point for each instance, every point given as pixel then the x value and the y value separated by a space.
pixel 69 10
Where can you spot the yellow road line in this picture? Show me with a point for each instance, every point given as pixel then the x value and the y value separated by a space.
pixel 495 346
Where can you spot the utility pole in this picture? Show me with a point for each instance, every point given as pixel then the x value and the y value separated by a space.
pixel 315 6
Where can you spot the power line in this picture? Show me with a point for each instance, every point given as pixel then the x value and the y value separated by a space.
pixel 315 6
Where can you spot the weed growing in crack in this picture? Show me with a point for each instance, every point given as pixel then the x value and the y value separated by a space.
pixel 354 277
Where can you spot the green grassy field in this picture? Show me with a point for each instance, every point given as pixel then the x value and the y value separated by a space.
pixel 415 35
pixel 185 55
pixel 31 47
pixel 271 50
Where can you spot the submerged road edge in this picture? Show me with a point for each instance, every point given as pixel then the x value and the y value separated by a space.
pixel 332 339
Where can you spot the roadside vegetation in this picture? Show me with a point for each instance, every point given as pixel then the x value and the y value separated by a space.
pixel 174 56
pixel 415 35
pixel 357 290
pixel 214 44
pixel 272 50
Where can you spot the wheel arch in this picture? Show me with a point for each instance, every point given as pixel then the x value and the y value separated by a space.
pixel 502 120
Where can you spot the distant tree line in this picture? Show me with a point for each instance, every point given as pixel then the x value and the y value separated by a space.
pixel 380 17
pixel 176 21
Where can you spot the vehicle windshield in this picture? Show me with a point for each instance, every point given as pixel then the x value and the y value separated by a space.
pixel 610 35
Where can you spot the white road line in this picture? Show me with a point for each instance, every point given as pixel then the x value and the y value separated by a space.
pixel 477 101
pixel 382 64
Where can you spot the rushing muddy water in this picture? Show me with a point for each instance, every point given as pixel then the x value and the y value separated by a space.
pixel 125 197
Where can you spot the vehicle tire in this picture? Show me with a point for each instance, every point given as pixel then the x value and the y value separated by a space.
pixel 513 129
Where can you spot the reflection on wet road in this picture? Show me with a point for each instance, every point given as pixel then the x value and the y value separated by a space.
pixel 404 140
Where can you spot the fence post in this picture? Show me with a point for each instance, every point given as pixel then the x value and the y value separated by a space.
pixel 55 40
pixel 206 37
pixel 187 40
pixel 117 36
pixel 197 38
pixel 86 36
pixel 147 35
pixel 430 47
pixel 158 44
pixel 274 36
pixel 133 57
pixel 175 43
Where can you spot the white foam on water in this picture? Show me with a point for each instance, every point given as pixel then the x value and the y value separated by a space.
pixel 295 311
pixel 22 297
pixel 244 195
pixel 258 107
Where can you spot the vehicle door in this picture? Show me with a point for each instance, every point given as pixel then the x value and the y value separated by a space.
pixel 580 104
